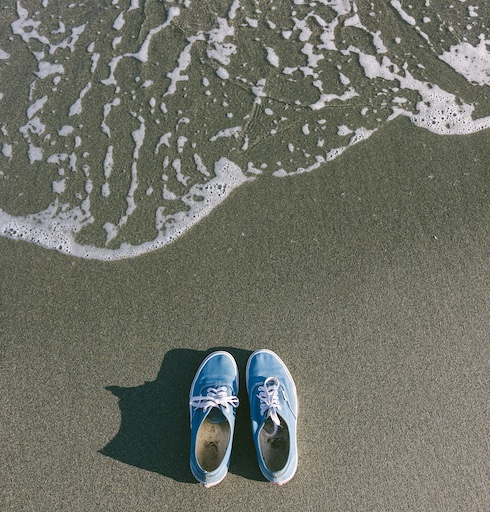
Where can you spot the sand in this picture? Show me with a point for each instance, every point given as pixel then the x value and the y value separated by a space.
pixel 370 279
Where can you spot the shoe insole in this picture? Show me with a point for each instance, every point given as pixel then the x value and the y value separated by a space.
pixel 274 449
pixel 211 443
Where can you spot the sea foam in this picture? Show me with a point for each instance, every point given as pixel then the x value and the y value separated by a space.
pixel 134 120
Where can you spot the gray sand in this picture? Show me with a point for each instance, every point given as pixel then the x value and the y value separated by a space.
pixel 369 279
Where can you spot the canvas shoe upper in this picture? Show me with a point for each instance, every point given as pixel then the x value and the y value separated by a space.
pixel 273 410
pixel 212 406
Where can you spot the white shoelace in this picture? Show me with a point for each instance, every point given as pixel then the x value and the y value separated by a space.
pixel 214 398
pixel 269 402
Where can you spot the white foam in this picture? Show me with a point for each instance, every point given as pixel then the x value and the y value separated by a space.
pixel 116 42
pixel 181 143
pixel 310 103
pixel 404 15
pixel 111 231
pixel 36 107
pixel 59 186
pixel 22 25
pixel 138 137
pixel 56 158
pixel 46 69
pixel 7 150
pixel 61 28
pixel 222 73
pixel 272 57
pixel 358 135
pixel 107 110
pixel 135 4
pixel 65 130
pixel 70 41
pixel 95 59
pixel 343 130
pixel 233 9
pixel 183 63
pixel 473 62
pixel 76 108
pixel 142 54
pixel 56 227
pixel 258 90
pixel 218 49
pixel 439 111
pixel 168 194
pixel 119 22
pixel 227 132
pixel 408 19
pixel 200 166
pixel 328 98
pixel 164 139
pixel 34 153
pixel 108 167
pixel 179 175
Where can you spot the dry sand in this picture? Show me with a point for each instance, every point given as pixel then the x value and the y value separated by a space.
pixel 370 279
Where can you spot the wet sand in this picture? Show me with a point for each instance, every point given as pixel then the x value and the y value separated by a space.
pixel 370 279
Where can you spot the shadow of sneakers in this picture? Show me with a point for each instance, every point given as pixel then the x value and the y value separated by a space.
pixel 154 433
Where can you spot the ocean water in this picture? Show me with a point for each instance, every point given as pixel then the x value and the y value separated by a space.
pixel 125 122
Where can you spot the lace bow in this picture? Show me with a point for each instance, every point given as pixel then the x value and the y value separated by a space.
pixel 215 397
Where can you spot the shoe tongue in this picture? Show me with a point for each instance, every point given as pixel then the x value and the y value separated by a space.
pixel 216 415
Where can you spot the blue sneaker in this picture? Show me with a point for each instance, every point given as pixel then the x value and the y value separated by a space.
pixel 273 410
pixel 212 404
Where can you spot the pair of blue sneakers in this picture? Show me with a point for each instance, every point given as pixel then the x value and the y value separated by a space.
pixel 273 410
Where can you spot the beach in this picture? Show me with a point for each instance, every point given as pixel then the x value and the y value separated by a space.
pixel 369 277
